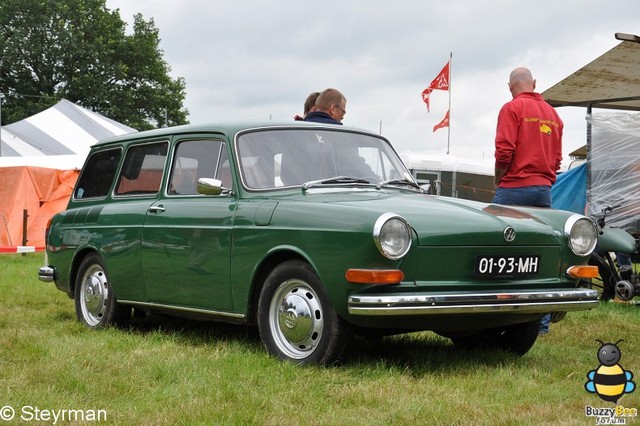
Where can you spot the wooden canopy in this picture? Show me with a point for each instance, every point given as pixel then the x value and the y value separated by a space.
pixel 611 81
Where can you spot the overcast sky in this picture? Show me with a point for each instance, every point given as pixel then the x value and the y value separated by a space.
pixel 259 59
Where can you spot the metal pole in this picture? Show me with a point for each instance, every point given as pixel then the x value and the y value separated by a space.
pixel 588 117
pixel 449 110
pixel 25 216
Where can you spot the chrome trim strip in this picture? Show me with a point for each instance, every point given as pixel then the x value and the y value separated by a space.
pixel 523 301
pixel 181 309
pixel 568 226
pixel 377 229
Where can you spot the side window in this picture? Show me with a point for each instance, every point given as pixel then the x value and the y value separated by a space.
pixel 195 159
pixel 142 169
pixel 97 175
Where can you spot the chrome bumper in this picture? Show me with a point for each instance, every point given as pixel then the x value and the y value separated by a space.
pixel 523 301
pixel 46 274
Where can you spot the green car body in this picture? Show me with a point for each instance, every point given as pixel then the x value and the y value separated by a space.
pixel 312 232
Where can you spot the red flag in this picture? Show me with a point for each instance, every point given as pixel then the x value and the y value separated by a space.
pixel 441 82
pixel 425 97
pixel 443 123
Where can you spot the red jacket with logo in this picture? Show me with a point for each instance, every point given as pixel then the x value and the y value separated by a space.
pixel 528 141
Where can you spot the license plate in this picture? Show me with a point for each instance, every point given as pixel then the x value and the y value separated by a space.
pixel 500 266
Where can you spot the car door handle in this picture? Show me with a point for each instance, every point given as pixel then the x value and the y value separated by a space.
pixel 155 209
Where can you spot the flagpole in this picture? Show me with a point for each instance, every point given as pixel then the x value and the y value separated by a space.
pixel 449 126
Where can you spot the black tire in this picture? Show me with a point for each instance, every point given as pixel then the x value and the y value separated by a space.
pixel 96 306
pixel 296 320
pixel 517 338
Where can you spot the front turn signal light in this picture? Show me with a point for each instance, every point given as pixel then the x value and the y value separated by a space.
pixel 583 271
pixel 374 276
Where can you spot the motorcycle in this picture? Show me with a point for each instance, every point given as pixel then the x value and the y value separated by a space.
pixel 615 280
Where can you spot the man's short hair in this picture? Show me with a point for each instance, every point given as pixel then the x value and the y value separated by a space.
pixel 310 102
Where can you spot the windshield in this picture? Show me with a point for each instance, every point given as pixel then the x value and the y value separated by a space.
pixel 292 157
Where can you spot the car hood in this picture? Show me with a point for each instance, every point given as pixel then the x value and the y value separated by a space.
pixel 448 221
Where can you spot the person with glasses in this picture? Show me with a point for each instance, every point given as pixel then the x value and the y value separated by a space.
pixel 331 107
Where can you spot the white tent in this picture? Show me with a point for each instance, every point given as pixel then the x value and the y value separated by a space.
pixel 40 158
pixel 58 137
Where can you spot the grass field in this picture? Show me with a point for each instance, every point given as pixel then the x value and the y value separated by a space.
pixel 163 371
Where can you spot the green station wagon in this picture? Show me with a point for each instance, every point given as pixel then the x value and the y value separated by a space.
pixel 314 233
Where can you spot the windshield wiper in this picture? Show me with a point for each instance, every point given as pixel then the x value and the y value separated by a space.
pixel 333 180
pixel 398 182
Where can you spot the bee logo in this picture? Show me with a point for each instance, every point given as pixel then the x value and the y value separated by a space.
pixel 545 129
pixel 609 381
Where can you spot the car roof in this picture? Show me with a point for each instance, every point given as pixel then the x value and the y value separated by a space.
pixel 228 128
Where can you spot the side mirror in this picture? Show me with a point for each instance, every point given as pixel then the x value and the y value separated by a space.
pixel 426 186
pixel 209 186
pixel 429 187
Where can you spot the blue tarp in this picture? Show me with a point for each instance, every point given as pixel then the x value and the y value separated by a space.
pixel 570 190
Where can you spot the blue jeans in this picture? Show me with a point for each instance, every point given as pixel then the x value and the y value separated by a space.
pixel 534 196
pixel 545 322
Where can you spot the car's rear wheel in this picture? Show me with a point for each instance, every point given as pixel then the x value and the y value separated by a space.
pixel 295 318
pixel 517 338
pixel 95 302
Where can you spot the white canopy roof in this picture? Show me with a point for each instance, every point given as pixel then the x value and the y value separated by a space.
pixel 58 137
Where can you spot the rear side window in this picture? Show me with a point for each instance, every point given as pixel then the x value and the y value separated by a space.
pixel 142 169
pixel 97 175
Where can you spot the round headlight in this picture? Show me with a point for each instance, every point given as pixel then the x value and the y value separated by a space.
pixel 582 234
pixel 392 235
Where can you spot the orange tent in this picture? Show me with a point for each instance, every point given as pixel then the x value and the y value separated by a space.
pixel 38 191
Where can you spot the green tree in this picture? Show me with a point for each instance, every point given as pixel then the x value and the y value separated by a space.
pixel 79 50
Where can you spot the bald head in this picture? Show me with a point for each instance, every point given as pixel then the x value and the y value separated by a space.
pixel 328 97
pixel 332 102
pixel 521 80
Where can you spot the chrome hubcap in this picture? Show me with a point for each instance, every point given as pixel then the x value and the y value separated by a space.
pixel 296 319
pixel 94 294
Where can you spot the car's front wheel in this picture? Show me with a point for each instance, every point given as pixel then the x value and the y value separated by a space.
pixel 517 338
pixel 295 318
pixel 96 305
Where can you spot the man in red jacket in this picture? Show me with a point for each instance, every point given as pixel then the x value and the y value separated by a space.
pixel 528 145
pixel 528 150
